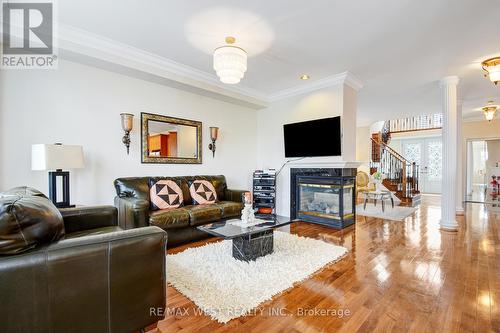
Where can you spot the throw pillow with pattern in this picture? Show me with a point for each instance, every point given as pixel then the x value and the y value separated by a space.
pixel 165 194
pixel 203 192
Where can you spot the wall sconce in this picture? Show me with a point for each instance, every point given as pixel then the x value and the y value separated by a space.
pixel 214 133
pixel 127 125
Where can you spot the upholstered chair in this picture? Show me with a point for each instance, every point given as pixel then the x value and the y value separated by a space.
pixel 363 183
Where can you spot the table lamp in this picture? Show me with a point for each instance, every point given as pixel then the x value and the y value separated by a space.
pixel 55 158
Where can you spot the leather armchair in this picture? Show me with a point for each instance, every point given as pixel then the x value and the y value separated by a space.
pixel 99 278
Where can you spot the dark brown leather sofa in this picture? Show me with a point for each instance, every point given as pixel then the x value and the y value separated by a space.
pixel 75 270
pixel 133 205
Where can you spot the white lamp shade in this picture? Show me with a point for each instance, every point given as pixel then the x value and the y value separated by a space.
pixel 53 157
pixel 494 73
pixel 230 63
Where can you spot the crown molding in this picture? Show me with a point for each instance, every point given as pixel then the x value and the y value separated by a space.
pixel 346 78
pixel 78 42
pixel 95 50
pixel 353 81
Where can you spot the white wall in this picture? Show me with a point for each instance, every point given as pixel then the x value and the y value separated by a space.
pixel 377 126
pixel 81 105
pixel 493 153
pixel 478 162
pixel 363 148
pixel 349 116
pixel 475 130
pixel 271 151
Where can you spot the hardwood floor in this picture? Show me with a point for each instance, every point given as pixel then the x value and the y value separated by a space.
pixel 398 276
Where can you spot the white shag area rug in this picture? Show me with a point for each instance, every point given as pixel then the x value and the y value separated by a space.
pixel 226 288
pixel 398 213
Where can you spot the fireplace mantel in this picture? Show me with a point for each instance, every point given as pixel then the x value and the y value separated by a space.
pixel 327 164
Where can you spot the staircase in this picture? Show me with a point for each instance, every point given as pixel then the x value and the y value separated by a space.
pixel 401 174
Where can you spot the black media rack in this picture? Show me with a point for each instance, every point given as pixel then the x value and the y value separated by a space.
pixel 264 191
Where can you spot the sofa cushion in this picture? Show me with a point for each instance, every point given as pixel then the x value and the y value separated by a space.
pixel 165 194
pixel 27 219
pixel 203 192
pixel 138 187
pixel 170 218
pixel 230 208
pixel 203 214
pixel 219 182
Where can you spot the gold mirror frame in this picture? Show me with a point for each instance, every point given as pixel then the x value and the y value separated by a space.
pixel 146 117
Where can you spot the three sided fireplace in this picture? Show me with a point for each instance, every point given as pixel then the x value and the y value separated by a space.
pixel 324 196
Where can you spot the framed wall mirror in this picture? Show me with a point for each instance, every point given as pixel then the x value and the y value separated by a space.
pixel 170 140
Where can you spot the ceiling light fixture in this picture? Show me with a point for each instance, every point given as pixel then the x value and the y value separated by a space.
pixel 492 69
pixel 304 77
pixel 490 110
pixel 230 62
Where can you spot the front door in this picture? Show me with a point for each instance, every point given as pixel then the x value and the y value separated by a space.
pixel 428 154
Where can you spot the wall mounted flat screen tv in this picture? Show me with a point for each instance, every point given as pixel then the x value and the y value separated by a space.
pixel 320 137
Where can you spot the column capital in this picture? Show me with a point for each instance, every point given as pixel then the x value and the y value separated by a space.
pixel 449 81
pixel 352 81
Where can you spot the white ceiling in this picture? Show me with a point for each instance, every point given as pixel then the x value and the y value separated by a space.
pixel 398 48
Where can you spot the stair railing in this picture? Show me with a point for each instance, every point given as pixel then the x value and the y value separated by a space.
pixel 416 123
pixel 401 173
pixel 385 133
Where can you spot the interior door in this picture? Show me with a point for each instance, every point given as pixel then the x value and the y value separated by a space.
pixel 428 154
pixel 433 164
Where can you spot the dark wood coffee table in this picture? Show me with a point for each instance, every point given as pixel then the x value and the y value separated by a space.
pixel 249 242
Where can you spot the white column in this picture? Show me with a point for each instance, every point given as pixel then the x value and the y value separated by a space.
pixel 349 110
pixel 460 166
pixel 449 186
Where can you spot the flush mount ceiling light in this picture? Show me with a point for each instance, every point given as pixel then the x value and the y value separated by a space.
pixel 230 62
pixel 490 110
pixel 304 77
pixel 492 69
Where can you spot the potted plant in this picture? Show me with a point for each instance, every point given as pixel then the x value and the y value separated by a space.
pixel 377 179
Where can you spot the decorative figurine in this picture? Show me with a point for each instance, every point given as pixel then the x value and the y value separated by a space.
pixel 247 213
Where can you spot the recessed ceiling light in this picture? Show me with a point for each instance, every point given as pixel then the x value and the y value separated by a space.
pixel 304 77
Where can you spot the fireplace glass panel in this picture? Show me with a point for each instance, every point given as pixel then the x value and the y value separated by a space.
pixel 319 200
pixel 348 195
pixel 323 196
